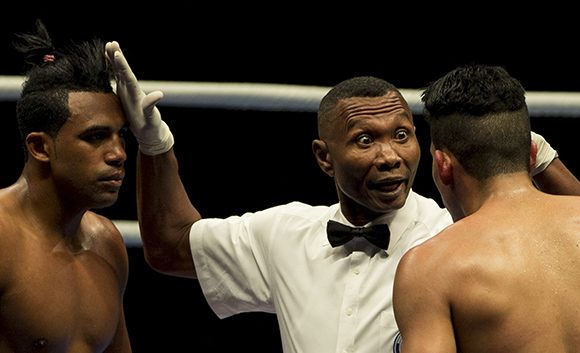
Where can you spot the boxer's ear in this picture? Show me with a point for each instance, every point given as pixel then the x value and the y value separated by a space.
pixel 38 146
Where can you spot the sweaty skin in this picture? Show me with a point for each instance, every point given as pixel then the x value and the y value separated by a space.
pixel 504 278
pixel 63 268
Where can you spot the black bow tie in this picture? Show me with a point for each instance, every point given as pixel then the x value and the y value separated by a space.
pixel 339 234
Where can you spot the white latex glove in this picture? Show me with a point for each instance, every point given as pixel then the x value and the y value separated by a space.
pixel 152 133
pixel 545 155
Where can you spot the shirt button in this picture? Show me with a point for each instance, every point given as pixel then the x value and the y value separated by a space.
pixel 356 271
pixel 349 311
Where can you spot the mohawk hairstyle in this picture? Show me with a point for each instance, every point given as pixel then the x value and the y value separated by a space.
pixel 52 73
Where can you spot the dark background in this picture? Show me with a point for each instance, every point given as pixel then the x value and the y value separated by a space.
pixel 237 161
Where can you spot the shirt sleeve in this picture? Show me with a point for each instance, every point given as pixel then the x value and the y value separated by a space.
pixel 230 261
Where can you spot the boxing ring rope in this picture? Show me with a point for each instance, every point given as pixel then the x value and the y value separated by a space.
pixel 298 98
pixel 283 97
